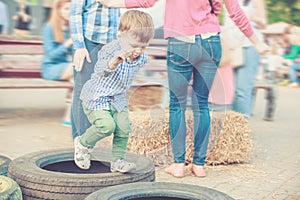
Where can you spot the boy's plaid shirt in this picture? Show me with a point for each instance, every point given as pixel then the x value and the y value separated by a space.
pixel 93 21
pixel 110 86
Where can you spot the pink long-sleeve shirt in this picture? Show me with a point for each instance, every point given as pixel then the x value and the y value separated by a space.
pixel 193 17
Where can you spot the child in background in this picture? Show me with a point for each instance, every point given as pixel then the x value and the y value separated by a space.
pixel 57 45
pixel 290 56
pixel 23 19
pixel 293 74
pixel 104 95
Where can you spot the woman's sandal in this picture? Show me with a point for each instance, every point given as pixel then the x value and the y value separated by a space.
pixel 197 170
pixel 176 170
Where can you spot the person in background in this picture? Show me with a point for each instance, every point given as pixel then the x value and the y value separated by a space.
pixel 92 26
pixel 3 18
pixel 221 94
pixel 47 5
pixel 293 55
pixel 290 56
pixel 192 29
pixel 22 18
pixel 104 94
pixel 293 74
pixel 57 45
pixel 245 73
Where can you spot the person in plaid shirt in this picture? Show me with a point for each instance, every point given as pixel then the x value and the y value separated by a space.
pixel 92 26
pixel 104 94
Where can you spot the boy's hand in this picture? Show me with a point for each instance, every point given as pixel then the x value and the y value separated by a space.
pixel 120 56
pixel 79 56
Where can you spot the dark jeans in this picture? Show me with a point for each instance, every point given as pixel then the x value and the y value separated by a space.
pixel 79 120
pixel 200 60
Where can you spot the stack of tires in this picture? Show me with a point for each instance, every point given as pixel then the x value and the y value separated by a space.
pixel 4 162
pixel 9 189
pixel 54 175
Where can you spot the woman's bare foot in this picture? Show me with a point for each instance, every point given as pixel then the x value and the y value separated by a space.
pixel 176 170
pixel 197 170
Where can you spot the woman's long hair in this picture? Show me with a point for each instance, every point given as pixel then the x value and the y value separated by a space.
pixel 56 21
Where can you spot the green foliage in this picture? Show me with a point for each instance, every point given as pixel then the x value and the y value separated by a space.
pixel 32 1
pixel 287 11
pixel 280 10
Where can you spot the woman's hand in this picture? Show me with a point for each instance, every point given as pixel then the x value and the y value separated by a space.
pixel 79 56
pixel 261 47
pixel 112 3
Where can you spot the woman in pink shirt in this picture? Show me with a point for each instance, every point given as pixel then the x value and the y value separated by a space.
pixel 194 49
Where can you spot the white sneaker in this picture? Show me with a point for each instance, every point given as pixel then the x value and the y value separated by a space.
pixel 82 154
pixel 122 166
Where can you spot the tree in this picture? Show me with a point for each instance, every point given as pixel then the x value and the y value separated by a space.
pixel 287 11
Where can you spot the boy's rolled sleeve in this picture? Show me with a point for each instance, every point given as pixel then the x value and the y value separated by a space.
pixel 102 65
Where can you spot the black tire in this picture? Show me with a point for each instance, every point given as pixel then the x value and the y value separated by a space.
pixel 158 191
pixel 37 182
pixel 9 189
pixel 4 162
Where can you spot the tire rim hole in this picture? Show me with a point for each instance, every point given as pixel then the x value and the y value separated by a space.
pixel 70 167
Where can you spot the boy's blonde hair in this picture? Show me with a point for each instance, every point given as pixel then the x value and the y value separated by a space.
pixel 138 23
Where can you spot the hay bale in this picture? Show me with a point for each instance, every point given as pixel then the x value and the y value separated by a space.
pixel 143 97
pixel 150 135
pixel 233 141
pixel 229 143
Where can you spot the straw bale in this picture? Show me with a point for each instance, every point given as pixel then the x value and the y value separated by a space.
pixel 143 97
pixel 150 135
pixel 229 142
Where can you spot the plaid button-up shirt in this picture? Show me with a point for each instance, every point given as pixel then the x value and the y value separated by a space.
pixel 93 21
pixel 107 86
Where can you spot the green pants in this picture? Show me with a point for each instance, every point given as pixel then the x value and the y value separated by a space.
pixel 104 123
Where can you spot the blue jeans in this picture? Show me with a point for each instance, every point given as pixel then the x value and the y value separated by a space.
pixel 293 72
pixel 244 77
pixel 201 60
pixel 79 120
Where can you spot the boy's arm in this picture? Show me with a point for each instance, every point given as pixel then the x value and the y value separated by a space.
pixel 119 57
pixel 108 62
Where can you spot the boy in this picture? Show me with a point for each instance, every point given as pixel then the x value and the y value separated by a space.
pixel 104 95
